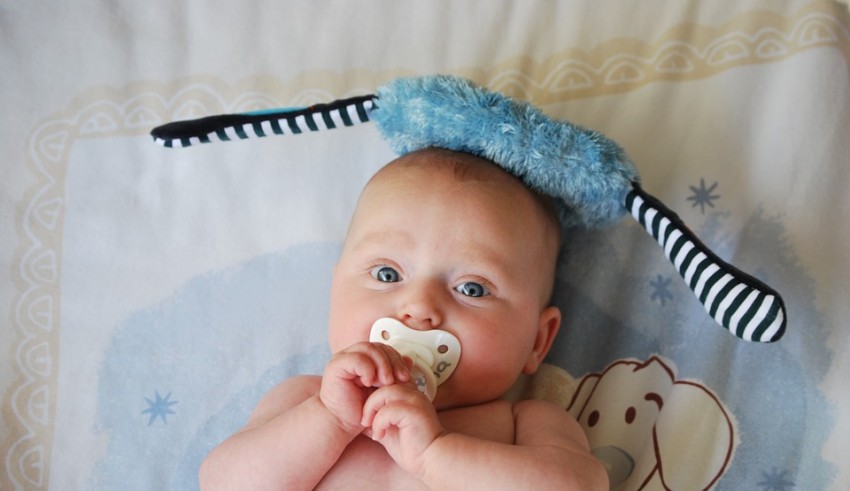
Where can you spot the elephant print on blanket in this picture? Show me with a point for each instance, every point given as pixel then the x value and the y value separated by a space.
pixel 653 430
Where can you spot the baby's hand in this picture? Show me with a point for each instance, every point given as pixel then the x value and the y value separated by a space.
pixel 404 422
pixel 354 374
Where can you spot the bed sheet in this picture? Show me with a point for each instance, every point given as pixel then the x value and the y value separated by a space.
pixel 150 296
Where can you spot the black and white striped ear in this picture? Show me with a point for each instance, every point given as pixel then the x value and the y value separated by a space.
pixel 227 127
pixel 742 304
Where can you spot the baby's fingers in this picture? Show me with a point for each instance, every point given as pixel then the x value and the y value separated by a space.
pixel 391 366
pixel 370 365
pixel 404 422
pixel 391 402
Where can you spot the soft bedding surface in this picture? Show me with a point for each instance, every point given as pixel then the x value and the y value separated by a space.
pixel 150 296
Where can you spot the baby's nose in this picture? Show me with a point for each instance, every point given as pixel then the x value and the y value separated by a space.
pixel 421 307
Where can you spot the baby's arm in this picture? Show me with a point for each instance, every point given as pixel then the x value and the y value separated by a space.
pixel 302 426
pixel 550 452
pixel 290 423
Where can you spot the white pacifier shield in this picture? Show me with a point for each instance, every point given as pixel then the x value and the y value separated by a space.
pixel 435 352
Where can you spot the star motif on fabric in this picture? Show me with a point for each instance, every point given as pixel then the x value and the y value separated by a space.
pixel 703 195
pixel 775 481
pixel 660 290
pixel 159 407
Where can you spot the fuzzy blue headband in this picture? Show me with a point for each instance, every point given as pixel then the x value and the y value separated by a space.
pixel 586 171
pixel 590 176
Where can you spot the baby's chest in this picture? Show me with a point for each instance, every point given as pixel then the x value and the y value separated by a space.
pixel 366 465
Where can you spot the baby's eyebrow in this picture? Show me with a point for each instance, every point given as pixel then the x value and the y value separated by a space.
pixel 488 263
pixel 393 238
pixel 486 256
pixel 480 254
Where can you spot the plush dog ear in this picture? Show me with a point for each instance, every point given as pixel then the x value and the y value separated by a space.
pixel 737 301
pixel 591 178
pixel 288 121
pixel 692 413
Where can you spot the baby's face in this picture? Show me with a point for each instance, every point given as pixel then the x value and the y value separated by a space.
pixel 471 256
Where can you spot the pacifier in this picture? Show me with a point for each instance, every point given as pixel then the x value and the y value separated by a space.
pixel 435 353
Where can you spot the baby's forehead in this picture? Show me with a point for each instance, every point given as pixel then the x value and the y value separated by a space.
pixel 421 168
pixel 440 163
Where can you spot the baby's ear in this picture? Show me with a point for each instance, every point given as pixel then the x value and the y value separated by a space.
pixel 547 328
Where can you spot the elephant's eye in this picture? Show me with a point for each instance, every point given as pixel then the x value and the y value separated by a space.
pixel 652 396
pixel 630 415
pixel 593 419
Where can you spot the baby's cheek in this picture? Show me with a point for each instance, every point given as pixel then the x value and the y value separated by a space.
pixel 489 377
pixel 341 337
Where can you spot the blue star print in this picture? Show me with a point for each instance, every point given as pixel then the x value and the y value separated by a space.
pixel 159 408
pixel 702 196
pixel 775 481
pixel 660 290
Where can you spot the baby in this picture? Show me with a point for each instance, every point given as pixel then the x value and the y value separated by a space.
pixel 440 240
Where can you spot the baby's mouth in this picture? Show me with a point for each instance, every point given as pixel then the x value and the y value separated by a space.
pixel 434 353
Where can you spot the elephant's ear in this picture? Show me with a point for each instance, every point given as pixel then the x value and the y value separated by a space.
pixel 582 394
pixel 695 438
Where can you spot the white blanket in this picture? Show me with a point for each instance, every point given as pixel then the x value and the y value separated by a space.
pixel 151 296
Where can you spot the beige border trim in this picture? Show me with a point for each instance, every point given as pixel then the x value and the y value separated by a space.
pixel 686 52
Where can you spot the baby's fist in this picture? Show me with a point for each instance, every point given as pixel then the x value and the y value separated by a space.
pixel 402 419
pixel 353 374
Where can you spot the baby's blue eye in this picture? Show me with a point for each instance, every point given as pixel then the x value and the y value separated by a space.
pixel 385 274
pixel 472 289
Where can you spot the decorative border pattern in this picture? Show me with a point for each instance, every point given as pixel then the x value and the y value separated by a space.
pixel 624 65
pixel 616 66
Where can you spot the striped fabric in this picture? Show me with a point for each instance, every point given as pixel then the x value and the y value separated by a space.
pixel 742 304
pixel 345 112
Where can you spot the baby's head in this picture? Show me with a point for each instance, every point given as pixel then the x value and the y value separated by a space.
pixel 445 240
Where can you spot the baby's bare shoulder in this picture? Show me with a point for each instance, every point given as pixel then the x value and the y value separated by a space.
pixel 540 422
pixel 489 421
pixel 527 422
